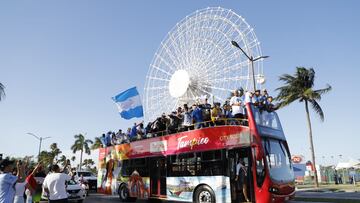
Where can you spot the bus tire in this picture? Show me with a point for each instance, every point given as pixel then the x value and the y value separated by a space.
pixel 124 194
pixel 204 194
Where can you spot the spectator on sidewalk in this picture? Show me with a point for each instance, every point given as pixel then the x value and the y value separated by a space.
pixel 7 181
pixel 21 184
pixel 55 185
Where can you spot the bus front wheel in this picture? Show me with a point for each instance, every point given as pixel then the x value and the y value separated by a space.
pixel 124 194
pixel 204 194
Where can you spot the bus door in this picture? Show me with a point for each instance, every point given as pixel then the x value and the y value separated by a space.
pixel 244 180
pixel 157 176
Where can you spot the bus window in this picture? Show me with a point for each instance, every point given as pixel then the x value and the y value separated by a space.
pixel 266 119
pixel 125 169
pixel 207 163
pixel 278 158
pixel 129 166
pixel 182 165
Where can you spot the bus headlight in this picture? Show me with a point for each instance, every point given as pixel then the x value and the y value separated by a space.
pixel 273 190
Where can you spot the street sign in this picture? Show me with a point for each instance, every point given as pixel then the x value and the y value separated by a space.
pixel 296 159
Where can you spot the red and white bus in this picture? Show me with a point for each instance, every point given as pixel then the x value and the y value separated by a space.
pixel 200 165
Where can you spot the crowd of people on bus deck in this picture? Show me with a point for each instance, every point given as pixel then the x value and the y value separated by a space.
pixel 199 115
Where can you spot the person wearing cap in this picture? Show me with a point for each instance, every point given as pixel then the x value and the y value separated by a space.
pixel 264 96
pixel 7 181
pixel 257 98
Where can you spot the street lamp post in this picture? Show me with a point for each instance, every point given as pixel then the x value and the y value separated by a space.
pixel 251 59
pixel 40 139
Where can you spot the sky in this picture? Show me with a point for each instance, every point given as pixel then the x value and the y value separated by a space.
pixel 62 61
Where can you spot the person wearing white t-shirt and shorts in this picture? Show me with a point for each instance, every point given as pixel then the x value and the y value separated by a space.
pixel 55 185
pixel 236 106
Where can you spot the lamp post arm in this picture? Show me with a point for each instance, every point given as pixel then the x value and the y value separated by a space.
pixel 247 56
pixel 235 44
pixel 260 57
pixel 32 134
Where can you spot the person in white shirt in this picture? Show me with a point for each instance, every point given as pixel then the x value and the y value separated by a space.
pixel 21 184
pixel 7 181
pixel 235 103
pixel 55 185
pixel 248 97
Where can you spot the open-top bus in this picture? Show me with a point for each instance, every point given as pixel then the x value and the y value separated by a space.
pixel 200 165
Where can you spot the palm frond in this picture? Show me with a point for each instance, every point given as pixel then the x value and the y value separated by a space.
pixel 324 91
pixel 2 91
pixel 317 108
pixel 287 78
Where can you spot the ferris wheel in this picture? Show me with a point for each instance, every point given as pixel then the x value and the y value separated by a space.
pixel 196 59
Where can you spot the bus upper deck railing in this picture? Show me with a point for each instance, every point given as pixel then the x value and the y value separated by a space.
pixel 194 126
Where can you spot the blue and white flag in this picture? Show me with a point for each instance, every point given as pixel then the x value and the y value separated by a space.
pixel 129 104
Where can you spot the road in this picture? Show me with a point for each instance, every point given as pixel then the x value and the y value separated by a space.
pixel 96 198
pixel 331 195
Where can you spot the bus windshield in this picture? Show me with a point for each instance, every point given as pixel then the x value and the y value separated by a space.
pixel 265 118
pixel 279 164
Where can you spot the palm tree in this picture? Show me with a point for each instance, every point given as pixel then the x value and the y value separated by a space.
pixel 2 91
pixel 62 160
pixel 88 163
pixel 300 87
pixel 46 158
pixel 55 150
pixel 81 144
pixel 97 143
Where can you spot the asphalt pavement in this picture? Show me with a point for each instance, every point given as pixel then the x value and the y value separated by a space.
pixel 96 198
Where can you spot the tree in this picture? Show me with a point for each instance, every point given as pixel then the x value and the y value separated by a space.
pixel 62 160
pixel 81 144
pixel 55 150
pixel 88 163
pixel 46 158
pixel 97 143
pixel 2 91
pixel 300 87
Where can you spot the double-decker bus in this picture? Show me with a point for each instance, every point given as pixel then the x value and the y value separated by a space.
pixel 200 165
